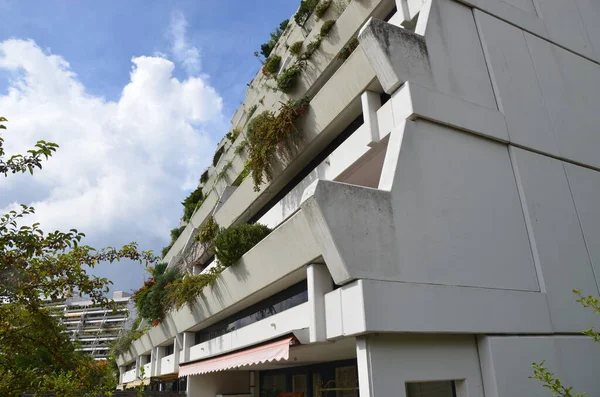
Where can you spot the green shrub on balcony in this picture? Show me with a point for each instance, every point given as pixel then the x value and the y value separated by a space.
pixel 311 48
pixel 232 243
pixel 233 134
pixel 218 155
pixel 175 233
pixel 150 300
pixel 269 134
pixel 204 177
pixel 271 66
pixel 322 8
pixel 185 291
pixel 296 48
pixel 287 80
pixel 326 28
pixel 191 202
pixel 305 10
pixel 348 49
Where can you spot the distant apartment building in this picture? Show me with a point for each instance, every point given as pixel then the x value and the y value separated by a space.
pixel 428 230
pixel 91 326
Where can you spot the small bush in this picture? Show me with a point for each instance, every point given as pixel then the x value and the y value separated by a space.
pixel 242 177
pixel 208 231
pixel 191 202
pixel 233 134
pixel 311 48
pixel 326 28
pixel 296 48
pixel 186 291
pixel 150 300
pixel 204 177
pixel 306 8
pixel 267 48
pixel 348 49
pixel 288 78
pixel 322 8
pixel 271 66
pixel 241 147
pixel 218 155
pixel 252 111
pixel 232 243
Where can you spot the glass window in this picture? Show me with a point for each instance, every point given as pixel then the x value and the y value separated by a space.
pixel 431 389
pixel 272 385
pixel 169 350
pixel 346 379
pixel 299 384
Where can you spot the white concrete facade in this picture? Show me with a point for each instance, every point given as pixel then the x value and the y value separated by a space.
pixel 441 241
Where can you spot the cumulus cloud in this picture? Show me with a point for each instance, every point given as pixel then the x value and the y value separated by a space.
pixel 183 52
pixel 123 166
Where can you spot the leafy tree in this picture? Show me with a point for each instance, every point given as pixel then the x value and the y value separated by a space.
pixel 548 379
pixel 36 354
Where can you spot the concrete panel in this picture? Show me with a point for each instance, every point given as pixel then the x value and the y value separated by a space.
pixel 457 214
pixel 506 364
pixel 514 77
pixel 558 237
pixel 410 307
pixel 571 88
pixel 390 361
pixel 585 187
pixel 455 54
pixel 589 11
pixel 564 25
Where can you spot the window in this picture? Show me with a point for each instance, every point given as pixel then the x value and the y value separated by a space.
pixel 272 385
pixel 284 300
pixel 299 384
pixel 431 389
pixel 169 350
pixel 346 381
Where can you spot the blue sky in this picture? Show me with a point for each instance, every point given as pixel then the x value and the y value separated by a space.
pixel 137 93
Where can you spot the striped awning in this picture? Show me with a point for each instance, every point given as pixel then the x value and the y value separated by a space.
pixel 275 351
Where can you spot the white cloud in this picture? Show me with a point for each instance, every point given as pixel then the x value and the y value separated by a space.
pixel 122 166
pixel 183 52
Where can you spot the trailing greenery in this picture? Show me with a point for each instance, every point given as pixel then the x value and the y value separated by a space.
pixel 289 77
pixel 191 202
pixel 226 167
pixel 241 147
pixel 348 49
pixel 208 231
pixel 218 155
pixel 305 10
pixel 296 48
pixel 311 48
pixel 232 243
pixel 242 177
pixel 123 342
pixel 269 133
pixel 322 8
pixel 185 291
pixel 267 48
pixel 233 134
pixel 204 177
pixel 271 65
pixel 151 299
pixel 326 28
pixel 251 111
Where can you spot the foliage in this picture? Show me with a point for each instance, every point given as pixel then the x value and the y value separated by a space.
pixel 251 111
pixel 305 10
pixel 289 77
pixel 218 155
pixel 551 383
pixel 175 233
pixel 150 300
pixel 226 167
pixel 547 378
pixel 311 48
pixel 326 28
pixel 204 177
pixel 241 147
pixel 208 231
pixel 123 342
pixel 271 65
pixel 243 175
pixel 322 8
pixel 233 134
pixel 348 49
pixel 232 243
pixel 186 291
pixel 35 354
pixel 267 48
pixel 191 202
pixel 296 48
pixel 268 133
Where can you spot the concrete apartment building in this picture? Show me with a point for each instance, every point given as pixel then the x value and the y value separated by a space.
pixel 93 327
pixel 441 208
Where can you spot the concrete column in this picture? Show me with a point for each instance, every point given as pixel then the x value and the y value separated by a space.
pixel 253 383
pixel 365 375
pixel 121 373
pixel 371 102
pixel 138 366
pixel 153 362
pixel 319 283
pixel 160 353
pixel 189 338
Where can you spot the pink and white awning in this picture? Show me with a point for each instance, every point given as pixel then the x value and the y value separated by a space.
pixel 275 351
